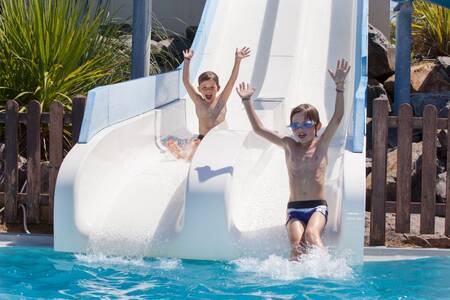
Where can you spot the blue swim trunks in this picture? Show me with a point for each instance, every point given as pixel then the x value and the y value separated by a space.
pixel 303 210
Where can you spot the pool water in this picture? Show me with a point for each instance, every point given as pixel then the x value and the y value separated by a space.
pixel 30 273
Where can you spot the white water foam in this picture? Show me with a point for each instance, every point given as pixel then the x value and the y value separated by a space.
pixel 316 263
pixel 102 259
pixel 117 262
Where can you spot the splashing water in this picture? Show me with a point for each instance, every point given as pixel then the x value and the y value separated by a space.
pixel 40 273
pixel 127 262
pixel 316 263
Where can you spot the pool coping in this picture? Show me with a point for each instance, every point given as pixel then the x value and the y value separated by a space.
pixel 383 253
pixel 378 253
pixel 26 240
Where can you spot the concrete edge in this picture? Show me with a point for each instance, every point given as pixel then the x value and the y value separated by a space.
pixel 26 240
pixel 380 253
pixel 383 253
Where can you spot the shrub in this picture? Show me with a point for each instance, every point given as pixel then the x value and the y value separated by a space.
pixel 53 50
pixel 430 30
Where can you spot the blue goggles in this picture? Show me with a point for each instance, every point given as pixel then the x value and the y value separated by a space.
pixel 305 125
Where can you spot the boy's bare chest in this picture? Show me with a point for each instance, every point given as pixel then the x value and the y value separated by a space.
pixel 209 111
pixel 301 160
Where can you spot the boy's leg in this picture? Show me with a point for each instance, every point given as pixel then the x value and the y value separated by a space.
pixel 295 229
pixel 315 226
pixel 194 145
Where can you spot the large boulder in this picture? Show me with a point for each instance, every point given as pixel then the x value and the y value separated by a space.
pixel 375 90
pixel 392 170
pixel 389 86
pixel 416 176
pixel 426 76
pixel 379 67
pixel 444 61
pixel 441 187
pixel 429 76
pixel 440 100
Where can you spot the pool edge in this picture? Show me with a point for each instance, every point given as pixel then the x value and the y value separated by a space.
pixel 382 253
pixel 379 253
pixel 26 240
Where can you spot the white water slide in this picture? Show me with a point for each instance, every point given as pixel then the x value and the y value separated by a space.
pixel 119 192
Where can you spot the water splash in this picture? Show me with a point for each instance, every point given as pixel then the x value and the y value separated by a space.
pixel 103 260
pixel 316 263
pixel 137 264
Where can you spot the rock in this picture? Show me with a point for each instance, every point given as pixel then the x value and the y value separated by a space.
pixel 429 76
pixel 375 90
pixel 440 242
pixel 442 145
pixel 426 76
pixel 429 241
pixel 444 61
pixel 379 67
pixel 416 178
pixel 391 56
pixel 440 100
pixel 391 169
pixel 414 238
pixel 441 188
pixel 391 173
pixel 389 87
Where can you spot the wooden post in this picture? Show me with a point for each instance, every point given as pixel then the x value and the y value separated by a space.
pixel 428 200
pixel 56 150
pixel 379 136
pixel 11 149
pixel 78 106
pixel 404 161
pixel 34 161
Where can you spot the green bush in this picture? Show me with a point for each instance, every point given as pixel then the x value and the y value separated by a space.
pixel 430 30
pixel 53 50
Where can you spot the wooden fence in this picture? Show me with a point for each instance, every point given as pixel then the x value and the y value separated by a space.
pixel 39 206
pixel 403 207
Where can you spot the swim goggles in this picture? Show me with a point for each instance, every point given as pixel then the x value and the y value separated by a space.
pixel 305 125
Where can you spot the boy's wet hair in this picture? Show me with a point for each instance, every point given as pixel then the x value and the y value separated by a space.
pixel 311 113
pixel 205 76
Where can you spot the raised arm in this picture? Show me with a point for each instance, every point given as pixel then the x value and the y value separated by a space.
pixel 339 75
pixel 238 57
pixel 188 54
pixel 245 92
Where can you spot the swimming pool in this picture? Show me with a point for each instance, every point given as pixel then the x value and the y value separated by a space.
pixel 34 272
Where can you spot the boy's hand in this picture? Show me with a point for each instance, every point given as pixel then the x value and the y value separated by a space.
pixel 243 53
pixel 245 91
pixel 188 54
pixel 341 72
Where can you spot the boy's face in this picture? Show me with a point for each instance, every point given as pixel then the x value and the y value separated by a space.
pixel 303 128
pixel 208 89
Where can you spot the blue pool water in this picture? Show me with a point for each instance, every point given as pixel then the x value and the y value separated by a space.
pixel 30 273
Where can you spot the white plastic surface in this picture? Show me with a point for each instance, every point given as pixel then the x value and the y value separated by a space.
pixel 120 194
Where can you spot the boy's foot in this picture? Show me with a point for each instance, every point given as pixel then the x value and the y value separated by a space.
pixel 174 149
